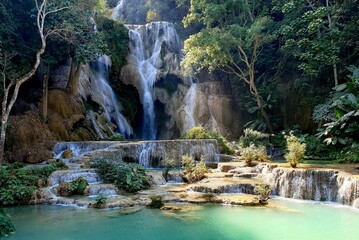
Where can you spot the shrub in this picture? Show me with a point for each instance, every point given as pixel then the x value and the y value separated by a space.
pixel 253 153
pixel 197 133
pixel 100 200
pixel 201 133
pixel 168 164
pixel 6 225
pixel 156 201
pixel 263 191
pixel 64 189
pixel 253 137
pixel 194 171
pixel 17 184
pixel 223 145
pixel 78 186
pixel 296 150
pixel 116 137
pixel 130 177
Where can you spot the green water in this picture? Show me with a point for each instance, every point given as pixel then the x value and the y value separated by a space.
pixel 287 220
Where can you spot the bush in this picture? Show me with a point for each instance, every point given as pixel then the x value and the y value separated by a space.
pixel 263 191
pixel 253 153
pixel 194 171
pixel 156 201
pixel 296 150
pixel 201 133
pixel 78 186
pixel 197 133
pixel 17 185
pixel 253 137
pixel 168 164
pixel 101 200
pixel 116 137
pixel 130 177
pixel 6 225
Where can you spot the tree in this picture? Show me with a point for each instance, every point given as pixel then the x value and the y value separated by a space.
pixel 232 41
pixel 11 82
pixel 311 34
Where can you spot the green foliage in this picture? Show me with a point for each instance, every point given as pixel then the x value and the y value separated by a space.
pixel 296 150
pixel 78 186
pixel 253 137
pixel 254 153
pixel 193 171
pixel 202 133
pixel 156 201
pixel 100 200
pixel 130 177
pixel 168 164
pixel 116 137
pixel 345 105
pixel 263 191
pixel 17 185
pixel 6 225
pixel 311 33
pixel 197 133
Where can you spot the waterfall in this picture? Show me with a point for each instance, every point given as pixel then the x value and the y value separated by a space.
pixel 149 46
pixel 102 93
pixel 310 184
pixel 189 108
pixel 119 11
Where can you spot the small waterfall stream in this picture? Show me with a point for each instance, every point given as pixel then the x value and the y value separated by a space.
pixel 103 93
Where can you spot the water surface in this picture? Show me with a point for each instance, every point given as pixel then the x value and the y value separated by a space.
pixel 283 220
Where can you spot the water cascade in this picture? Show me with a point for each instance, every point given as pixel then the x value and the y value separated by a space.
pixel 190 105
pixel 149 47
pixel 147 153
pixel 119 11
pixel 102 93
pixel 310 184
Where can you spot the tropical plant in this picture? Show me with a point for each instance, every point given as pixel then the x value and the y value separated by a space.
pixel 168 164
pixel 345 104
pixel 100 200
pixel 156 201
pixel 78 186
pixel 253 153
pixel 201 133
pixel 296 150
pixel 130 177
pixel 194 171
pixel 263 191
pixel 254 137
pixel 6 225
pixel 17 185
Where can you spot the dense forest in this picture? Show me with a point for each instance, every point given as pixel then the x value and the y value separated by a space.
pixel 289 64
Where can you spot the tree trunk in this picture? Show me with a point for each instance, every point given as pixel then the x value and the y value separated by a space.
pixel 2 141
pixel 74 78
pixel 45 96
pixel 335 69
pixel 260 105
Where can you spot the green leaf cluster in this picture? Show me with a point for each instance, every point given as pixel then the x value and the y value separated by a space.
pixel 6 225
pixel 18 184
pixel 130 177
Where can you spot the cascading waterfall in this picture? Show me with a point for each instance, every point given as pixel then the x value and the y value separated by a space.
pixel 147 46
pixel 102 92
pixel 190 104
pixel 118 12
pixel 309 184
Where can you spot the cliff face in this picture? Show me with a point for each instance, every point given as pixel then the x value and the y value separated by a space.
pixel 172 103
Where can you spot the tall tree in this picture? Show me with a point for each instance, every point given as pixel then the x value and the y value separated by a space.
pixel 311 34
pixel 232 41
pixel 11 80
